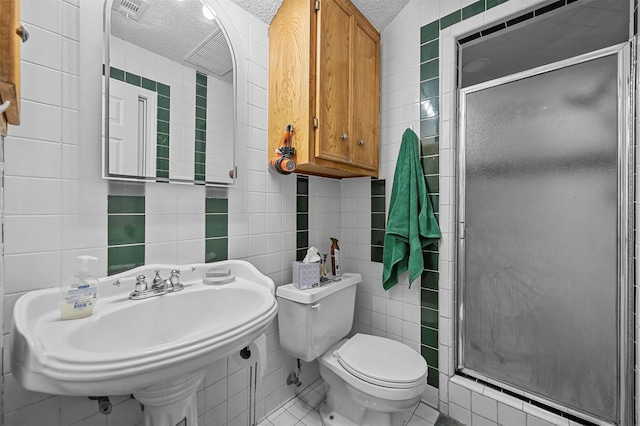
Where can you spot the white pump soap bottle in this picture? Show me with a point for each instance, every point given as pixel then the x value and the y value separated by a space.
pixel 79 295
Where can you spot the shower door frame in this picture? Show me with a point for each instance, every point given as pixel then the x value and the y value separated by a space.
pixel 625 244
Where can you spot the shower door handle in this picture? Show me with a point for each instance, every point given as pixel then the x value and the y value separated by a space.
pixel 462 230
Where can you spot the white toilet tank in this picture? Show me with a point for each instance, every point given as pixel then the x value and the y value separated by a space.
pixel 312 320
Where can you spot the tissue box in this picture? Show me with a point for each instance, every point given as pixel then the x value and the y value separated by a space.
pixel 306 275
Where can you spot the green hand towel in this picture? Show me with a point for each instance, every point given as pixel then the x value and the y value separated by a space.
pixel 411 224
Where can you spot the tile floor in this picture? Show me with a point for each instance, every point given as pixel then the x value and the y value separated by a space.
pixel 302 410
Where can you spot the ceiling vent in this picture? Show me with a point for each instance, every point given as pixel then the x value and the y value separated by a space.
pixel 213 55
pixel 132 9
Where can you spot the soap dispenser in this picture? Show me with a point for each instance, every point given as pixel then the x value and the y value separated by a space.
pixel 79 295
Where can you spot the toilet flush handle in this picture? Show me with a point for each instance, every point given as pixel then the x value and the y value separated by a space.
pixel 316 306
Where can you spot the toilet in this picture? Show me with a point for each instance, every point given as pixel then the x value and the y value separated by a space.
pixel 370 380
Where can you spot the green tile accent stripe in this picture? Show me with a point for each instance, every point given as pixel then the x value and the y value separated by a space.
pixel 201 128
pixel 216 229
pixel 163 115
pixel 378 218
pixel 302 216
pixel 125 233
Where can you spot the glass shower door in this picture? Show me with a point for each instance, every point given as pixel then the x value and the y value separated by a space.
pixel 539 251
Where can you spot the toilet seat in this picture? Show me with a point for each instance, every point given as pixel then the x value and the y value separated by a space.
pixel 381 361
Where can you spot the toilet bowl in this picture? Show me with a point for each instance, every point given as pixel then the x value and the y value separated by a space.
pixel 370 380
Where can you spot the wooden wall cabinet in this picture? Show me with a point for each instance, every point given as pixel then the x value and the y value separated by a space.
pixel 10 38
pixel 324 78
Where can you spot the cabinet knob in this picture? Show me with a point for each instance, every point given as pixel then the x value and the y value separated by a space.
pixel 361 142
pixel 344 136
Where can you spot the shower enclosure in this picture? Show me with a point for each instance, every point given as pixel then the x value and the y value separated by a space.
pixel 544 238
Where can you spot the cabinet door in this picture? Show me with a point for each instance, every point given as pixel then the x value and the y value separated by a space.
pixel 332 88
pixel 365 96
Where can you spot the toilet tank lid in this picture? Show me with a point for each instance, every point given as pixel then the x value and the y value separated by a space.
pixel 312 295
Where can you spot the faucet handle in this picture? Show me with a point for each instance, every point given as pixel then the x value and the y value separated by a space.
pixel 158 282
pixel 141 284
pixel 175 280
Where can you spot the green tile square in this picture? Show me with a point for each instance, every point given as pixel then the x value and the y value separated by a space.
pixel 433 184
pixel 201 124
pixel 429 299
pixel 302 240
pixel 164 114
pixel 163 90
pixel 300 254
pixel 162 139
pixel 450 19
pixel 133 79
pixel 429 108
pixel 199 169
pixel 378 221
pixel 431 165
pixel 162 151
pixel 201 146
pixel 201 102
pixel 302 185
pixel 125 229
pixel 493 3
pixel 162 164
pixel 429 32
pixel 378 204
pixel 378 187
pixel 435 202
pixel 164 102
pixel 162 174
pixel 149 84
pixel 430 89
pixel 201 91
pixel 201 113
pixel 429 318
pixel 430 146
pixel 473 9
pixel 429 337
pixel 429 51
pixel 116 74
pixel 433 378
pixel 430 355
pixel 429 70
pixel 201 79
pixel 302 204
pixel 120 259
pixel 199 177
pixel 430 127
pixel 216 205
pixel 377 254
pixel 377 237
pixel 162 126
pixel 200 157
pixel 216 225
pixel 216 249
pixel 430 261
pixel 118 204
pixel 201 136
pixel 302 222
pixel 429 279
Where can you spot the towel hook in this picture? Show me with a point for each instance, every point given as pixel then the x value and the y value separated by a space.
pixel 4 107
pixel 411 126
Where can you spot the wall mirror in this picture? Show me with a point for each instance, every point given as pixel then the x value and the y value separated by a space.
pixel 170 109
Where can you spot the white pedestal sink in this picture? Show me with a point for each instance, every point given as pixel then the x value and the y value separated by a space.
pixel 156 349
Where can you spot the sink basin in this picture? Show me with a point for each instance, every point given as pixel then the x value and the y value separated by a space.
pixel 133 345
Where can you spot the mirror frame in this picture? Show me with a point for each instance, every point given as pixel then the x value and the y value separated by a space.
pixel 239 99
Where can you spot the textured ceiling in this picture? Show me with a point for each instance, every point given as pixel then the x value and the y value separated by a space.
pixel 379 12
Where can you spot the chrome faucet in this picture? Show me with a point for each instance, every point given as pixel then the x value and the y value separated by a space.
pixel 158 286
